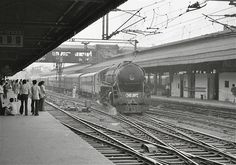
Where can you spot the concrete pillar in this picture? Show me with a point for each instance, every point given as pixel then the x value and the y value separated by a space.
pixel 148 80
pixel 160 79
pixel 155 84
pixel 191 84
pixel 171 77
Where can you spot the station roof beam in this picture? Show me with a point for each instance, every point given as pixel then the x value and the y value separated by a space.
pixel 31 28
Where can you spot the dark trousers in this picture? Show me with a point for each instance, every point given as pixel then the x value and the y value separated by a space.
pixel 24 99
pixel 41 104
pixel 35 107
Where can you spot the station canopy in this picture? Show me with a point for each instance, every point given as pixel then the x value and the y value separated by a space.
pixel 31 28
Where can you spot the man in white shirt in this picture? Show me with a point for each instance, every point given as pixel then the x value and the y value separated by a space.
pixel 25 92
pixel 35 90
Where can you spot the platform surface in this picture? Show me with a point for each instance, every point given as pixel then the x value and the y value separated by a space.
pixel 211 103
pixel 42 140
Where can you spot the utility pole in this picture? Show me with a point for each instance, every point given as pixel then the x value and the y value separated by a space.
pixel 59 70
pixel 105 22
pixel 84 60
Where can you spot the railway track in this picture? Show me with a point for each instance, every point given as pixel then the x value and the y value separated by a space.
pixel 200 153
pixel 198 109
pixel 111 148
pixel 184 143
pixel 115 153
pixel 162 154
pixel 219 124
pixel 223 145
pixel 210 123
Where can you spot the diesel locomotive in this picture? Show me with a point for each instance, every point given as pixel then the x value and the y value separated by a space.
pixel 121 85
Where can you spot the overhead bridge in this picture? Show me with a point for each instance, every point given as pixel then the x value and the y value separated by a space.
pixel 31 28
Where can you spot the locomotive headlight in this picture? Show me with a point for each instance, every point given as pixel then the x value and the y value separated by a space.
pixel 131 77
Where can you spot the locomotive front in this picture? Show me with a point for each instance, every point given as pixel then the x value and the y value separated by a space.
pixel 131 97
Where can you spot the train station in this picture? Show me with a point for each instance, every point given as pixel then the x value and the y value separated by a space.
pixel 160 89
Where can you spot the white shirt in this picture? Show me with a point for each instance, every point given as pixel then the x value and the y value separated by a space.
pixel 24 89
pixel 35 92
pixel 1 89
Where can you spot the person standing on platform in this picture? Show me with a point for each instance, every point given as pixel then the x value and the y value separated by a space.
pixel 20 82
pixel 167 90
pixel 16 89
pixel 35 90
pixel 5 89
pixel 42 95
pixel 24 91
pixel 1 97
pixel 233 90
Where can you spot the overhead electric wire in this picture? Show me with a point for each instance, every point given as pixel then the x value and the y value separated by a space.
pixel 192 31
pixel 204 27
pixel 190 20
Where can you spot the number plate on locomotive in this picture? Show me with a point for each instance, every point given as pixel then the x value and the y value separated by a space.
pixel 131 94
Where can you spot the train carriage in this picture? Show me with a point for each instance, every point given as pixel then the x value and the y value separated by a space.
pixel 71 81
pixel 87 84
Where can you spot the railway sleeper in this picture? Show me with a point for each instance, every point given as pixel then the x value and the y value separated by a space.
pixel 109 152
pixel 131 160
pixel 123 158
pixel 156 154
pixel 135 163
pixel 194 150
pixel 115 155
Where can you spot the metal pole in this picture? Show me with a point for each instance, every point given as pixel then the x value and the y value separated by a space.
pixel 106 27
pixel 103 27
pixel 85 49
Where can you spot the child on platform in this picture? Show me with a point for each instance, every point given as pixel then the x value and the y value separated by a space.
pixel 9 109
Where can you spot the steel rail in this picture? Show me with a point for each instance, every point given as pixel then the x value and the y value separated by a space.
pixel 116 153
pixel 194 118
pixel 185 145
pixel 163 154
pixel 206 139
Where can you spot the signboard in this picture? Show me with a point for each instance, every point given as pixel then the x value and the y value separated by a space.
pixel 67 56
pixel 104 52
pixel 107 51
pixel 11 38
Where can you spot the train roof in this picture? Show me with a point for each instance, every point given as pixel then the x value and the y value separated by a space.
pixel 93 73
pixel 89 74
pixel 73 75
pixel 107 64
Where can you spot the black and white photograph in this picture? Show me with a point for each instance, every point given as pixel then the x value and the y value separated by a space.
pixel 117 82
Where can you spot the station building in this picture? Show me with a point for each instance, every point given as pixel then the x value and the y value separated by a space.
pixel 203 67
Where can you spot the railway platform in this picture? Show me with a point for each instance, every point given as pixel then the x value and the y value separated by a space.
pixel 42 140
pixel 208 103
pixel 31 140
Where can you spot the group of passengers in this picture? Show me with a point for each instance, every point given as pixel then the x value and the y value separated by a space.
pixel 23 90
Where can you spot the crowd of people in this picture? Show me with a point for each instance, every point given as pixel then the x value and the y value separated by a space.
pixel 23 91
